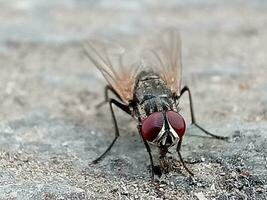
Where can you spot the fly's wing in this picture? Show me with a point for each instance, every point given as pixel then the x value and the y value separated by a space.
pixel 109 61
pixel 164 56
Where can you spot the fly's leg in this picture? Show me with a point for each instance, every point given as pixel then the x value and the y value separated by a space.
pixel 117 134
pixel 154 169
pixel 181 158
pixel 107 89
pixel 193 119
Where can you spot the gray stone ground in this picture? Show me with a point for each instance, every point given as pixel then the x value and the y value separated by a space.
pixel 50 129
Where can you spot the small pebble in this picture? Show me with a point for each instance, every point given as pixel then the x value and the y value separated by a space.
pixel 199 184
pixel 212 187
pixel 259 189
pixel 245 174
pixel 200 196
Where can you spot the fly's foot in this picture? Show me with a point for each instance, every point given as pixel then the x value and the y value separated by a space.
pixel 95 161
pixel 157 171
pixel 187 169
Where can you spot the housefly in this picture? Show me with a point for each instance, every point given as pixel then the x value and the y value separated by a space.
pixel 150 92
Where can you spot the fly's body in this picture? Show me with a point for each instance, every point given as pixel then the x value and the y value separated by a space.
pixel 149 92
pixel 152 97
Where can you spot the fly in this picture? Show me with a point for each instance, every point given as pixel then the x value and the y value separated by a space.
pixel 150 93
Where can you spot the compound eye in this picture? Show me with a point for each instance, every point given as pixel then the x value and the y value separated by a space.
pixel 177 122
pixel 152 125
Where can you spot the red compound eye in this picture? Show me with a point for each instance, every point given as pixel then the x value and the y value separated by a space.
pixel 152 125
pixel 177 122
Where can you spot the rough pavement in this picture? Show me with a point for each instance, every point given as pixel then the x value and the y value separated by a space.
pixel 50 129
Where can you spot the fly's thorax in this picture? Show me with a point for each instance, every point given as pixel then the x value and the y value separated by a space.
pixel 152 94
pixel 155 104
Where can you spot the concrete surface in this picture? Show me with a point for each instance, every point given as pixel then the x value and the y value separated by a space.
pixel 50 129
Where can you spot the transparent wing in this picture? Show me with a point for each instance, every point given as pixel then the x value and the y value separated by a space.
pixel 109 59
pixel 164 56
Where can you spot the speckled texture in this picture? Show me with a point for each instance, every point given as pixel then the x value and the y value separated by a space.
pixel 50 129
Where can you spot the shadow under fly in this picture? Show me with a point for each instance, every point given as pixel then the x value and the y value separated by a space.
pixel 150 92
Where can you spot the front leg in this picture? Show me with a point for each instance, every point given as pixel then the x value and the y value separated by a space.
pixel 154 169
pixel 178 149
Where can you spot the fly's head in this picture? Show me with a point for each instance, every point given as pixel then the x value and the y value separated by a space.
pixel 163 129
